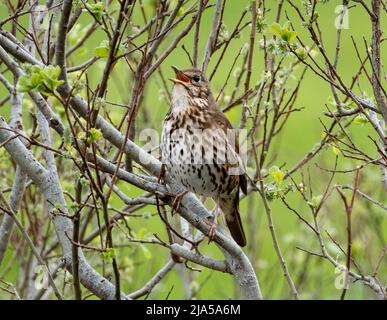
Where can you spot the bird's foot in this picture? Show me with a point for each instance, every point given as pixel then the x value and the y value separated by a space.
pixel 212 221
pixel 177 201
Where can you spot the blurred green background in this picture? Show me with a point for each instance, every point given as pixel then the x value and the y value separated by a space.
pixel 314 277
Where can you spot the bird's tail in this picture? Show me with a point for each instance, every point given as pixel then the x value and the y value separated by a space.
pixel 230 209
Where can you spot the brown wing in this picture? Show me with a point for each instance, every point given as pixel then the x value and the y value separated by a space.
pixel 230 207
pixel 220 120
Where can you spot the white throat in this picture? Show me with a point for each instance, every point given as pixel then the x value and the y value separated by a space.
pixel 179 98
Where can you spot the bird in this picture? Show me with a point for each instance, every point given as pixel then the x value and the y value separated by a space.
pixel 198 152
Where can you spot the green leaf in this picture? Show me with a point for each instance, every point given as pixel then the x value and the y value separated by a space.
pixel 36 81
pixel 275 29
pixel 335 150
pixel 282 32
pixel 94 135
pixel 276 191
pixel 108 254
pixel 81 136
pixel 51 72
pixel 24 84
pixel 276 174
pixel 37 78
pixel 141 233
pixel 316 200
pixel 96 9
pixel 288 36
pixel 360 119
pixel 103 49
pixel 180 12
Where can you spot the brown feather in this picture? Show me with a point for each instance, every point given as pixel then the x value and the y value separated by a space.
pixel 230 208
pixel 223 122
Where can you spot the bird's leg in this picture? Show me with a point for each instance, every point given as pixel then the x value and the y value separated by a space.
pixel 214 223
pixel 177 201
pixel 162 173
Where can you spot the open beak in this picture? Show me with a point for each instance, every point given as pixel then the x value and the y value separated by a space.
pixel 180 77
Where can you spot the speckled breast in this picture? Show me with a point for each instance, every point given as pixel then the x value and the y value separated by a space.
pixel 192 160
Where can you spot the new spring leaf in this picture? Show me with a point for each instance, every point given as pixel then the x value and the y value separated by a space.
pixel 283 32
pixel 276 174
pixel 42 79
pixel 96 9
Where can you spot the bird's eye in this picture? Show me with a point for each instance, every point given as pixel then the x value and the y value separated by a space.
pixel 196 78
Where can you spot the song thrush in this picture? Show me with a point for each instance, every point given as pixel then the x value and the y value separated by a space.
pixel 198 151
